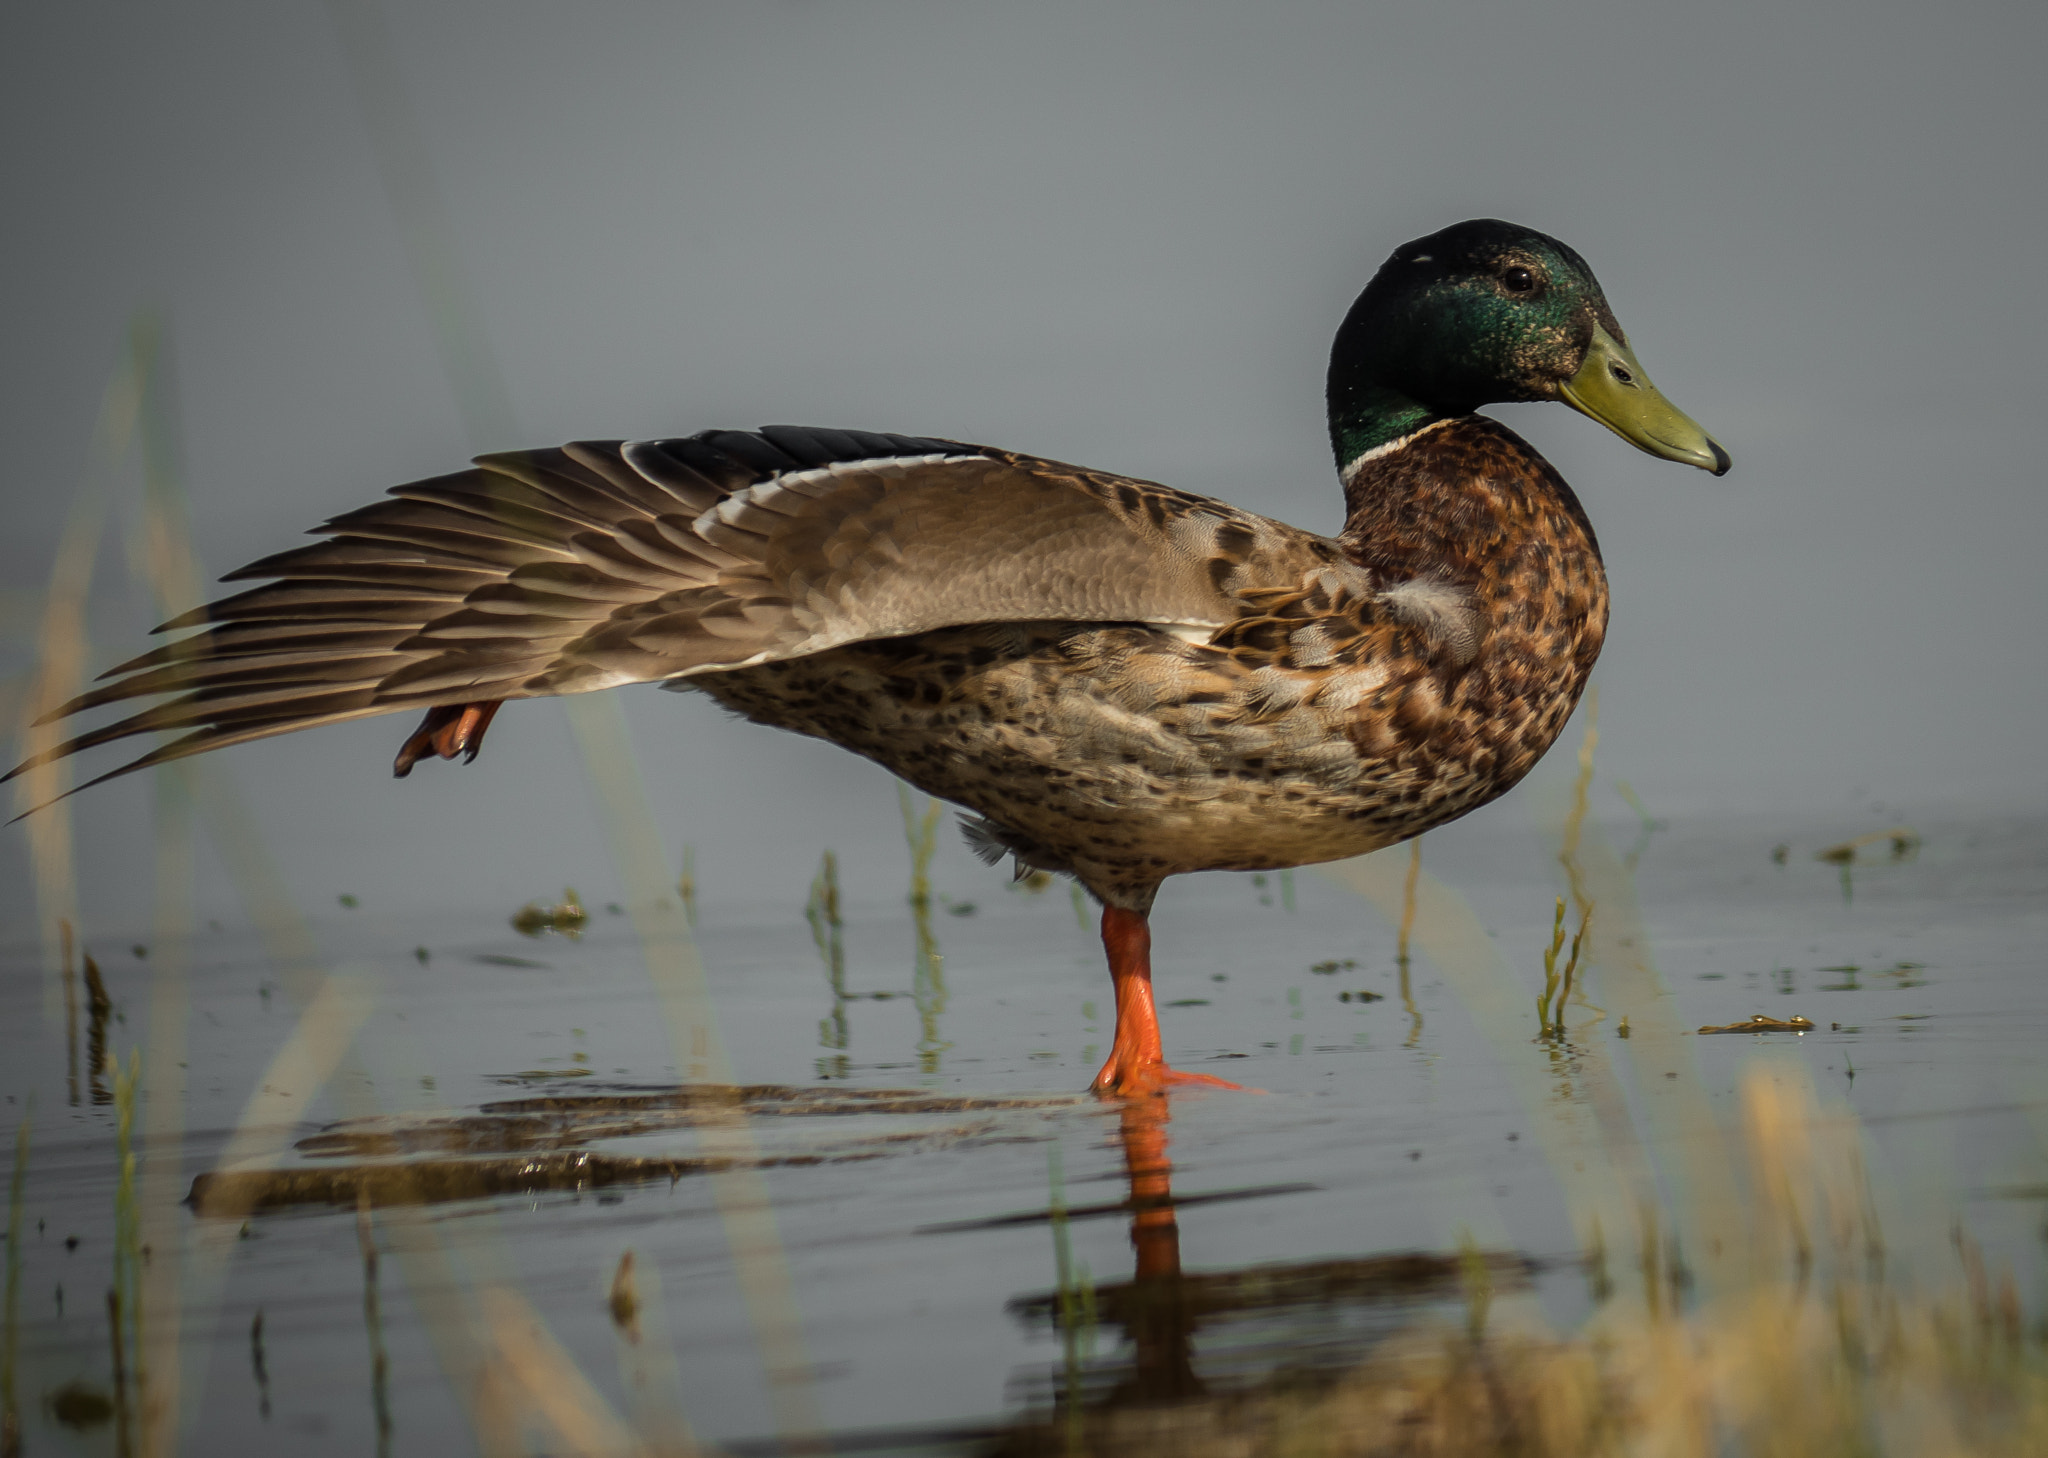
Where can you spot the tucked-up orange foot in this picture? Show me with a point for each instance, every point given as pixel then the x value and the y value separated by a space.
pixel 448 730
pixel 1137 1062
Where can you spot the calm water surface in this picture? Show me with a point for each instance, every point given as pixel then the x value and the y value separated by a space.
pixel 955 1265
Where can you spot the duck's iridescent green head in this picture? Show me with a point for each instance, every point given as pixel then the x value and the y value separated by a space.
pixel 1487 311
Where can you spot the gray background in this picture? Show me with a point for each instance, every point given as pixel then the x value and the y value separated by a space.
pixel 1116 234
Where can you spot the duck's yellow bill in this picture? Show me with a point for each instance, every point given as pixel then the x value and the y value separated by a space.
pixel 1612 388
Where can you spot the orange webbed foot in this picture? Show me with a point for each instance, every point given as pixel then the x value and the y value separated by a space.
pixel 1139 1081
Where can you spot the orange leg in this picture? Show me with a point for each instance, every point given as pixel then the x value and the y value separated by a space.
pixel 1137 1063
pixel 448 730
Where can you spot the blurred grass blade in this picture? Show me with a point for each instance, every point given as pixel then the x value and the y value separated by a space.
pixel 62 649
pixel 547 1379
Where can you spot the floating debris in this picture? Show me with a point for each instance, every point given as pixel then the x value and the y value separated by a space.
pixel 435 1181
pixel 1762 1024
pixel 540 1144
pixel 1332 967
pixel 686 887
pixel 566 917
pixel 80 1407
pixel 1903 840
pixel 624 1300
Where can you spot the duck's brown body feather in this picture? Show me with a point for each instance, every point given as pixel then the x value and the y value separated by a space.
pixel 1335 714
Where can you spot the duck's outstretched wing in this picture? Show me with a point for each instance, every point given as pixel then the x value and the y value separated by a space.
pixel 607 562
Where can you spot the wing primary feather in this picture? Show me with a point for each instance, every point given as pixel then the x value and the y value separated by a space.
pixel 605 562
pixel 305 602
pixel 249 640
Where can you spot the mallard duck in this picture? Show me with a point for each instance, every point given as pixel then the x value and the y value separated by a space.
pixel 1121 681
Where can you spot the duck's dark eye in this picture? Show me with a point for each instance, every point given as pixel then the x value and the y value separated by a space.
pixel 1518 281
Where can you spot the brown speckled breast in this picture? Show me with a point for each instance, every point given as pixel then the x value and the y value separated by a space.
pixel 1344 709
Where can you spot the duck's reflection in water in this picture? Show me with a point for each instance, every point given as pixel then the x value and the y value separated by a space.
pixel 1176 1344
pixel 1160 1328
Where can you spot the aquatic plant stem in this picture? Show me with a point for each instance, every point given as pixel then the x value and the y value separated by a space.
pixel 10 1314
pixel 1401 942
pixel 921 834
pixel 1068 1299
pixel 124 1300
pixel 1557 987
pixel 124 1443
pixel 1543 1018
pixel 827 934
pixel 373 1323
pixel 928 969
pixel 928 990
